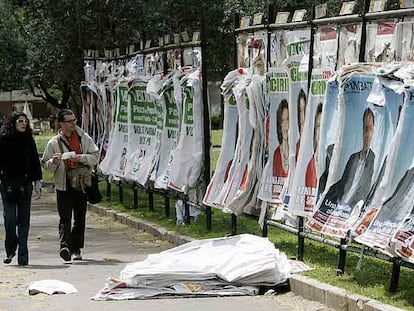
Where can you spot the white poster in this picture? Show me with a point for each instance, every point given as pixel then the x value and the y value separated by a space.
pixel 169 136
pixel 142 131
pixel 228 144
pixel 187 157
pixel 304 184
pixel 116 157
pixel 296 65
pixel 398 191
pixel 276 169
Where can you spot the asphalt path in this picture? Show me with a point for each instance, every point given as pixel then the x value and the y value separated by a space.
pixel 109 246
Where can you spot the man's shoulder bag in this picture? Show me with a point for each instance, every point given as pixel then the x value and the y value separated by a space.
pixel 82 179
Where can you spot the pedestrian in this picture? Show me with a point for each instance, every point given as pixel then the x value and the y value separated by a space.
pixel 71 155
pixel 20 173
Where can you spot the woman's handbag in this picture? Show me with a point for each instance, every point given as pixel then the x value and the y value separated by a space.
pixel 93 195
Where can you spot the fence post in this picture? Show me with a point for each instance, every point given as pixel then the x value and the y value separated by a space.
pixel 395 276
pixel 151 200
pixel 121 192
pixel 365 9
pixel 208 218
pixel 108 189
pixel 301 239
pixel 206 115
pixel 264 230
pixel 342 258
pixel 186 211
pixel 233 224
pixel 167 206
pixel 135 196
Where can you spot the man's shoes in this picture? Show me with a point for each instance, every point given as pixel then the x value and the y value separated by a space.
pixel 77 256
pixel 64 253
pixel 8 258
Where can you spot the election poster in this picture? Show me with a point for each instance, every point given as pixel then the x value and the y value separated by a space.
pixel 115 160
pixel 402 242
pixel 108 94
pixel 276 169
pixel 304 183
pixel 187 157
pixel 228 143
pixel 142 132
pixel 277 47
pixel 353 166
pixel 169 136
pixel 349 44
pixel 325 47
pixel 395 205
pixel 328 133
pixel 296 65
pixel 245 197
pixel 383 95
pixel 239 167
pixel 380 44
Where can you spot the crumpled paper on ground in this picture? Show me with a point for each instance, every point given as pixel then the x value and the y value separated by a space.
pixel 51 287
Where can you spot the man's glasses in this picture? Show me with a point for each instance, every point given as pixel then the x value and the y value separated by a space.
pixel 25 121
pixel 70 121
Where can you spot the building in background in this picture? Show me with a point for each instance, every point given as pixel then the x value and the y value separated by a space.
pixel 38 110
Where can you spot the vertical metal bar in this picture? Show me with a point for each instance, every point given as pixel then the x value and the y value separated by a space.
pixel 186 211
pixel 233 224
pixel 206 115
pixel 164 63
pixel 264 230
pixel 167 206
pixel 135 196
pixel 236 25
pixel 121 192
pixel 301 239
pixel 342 258
pixel 208 219
pixel 108 189
pixel 395 276
pixel 365 9
pixel 151 200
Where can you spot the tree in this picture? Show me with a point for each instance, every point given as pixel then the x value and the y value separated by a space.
pixel 12 48
pixel 42 41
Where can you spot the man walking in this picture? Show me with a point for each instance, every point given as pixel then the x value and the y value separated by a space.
pixel 71 155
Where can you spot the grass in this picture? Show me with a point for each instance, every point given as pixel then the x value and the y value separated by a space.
pixel 216 137
pixel 41 141
pixel 372 280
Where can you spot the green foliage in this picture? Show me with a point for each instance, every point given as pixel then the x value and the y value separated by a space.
pixel 12 48
pixel 216 137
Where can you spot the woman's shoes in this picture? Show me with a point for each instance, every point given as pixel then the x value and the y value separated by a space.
pixel 8 258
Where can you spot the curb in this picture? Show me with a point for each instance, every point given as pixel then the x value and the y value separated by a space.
pixel 331 296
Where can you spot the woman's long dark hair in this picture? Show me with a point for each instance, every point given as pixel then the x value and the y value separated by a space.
pixel 8 127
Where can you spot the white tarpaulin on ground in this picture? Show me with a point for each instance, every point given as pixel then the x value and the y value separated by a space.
pixel 220 266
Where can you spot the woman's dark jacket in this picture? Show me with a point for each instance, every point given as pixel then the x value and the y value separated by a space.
pixel 19 159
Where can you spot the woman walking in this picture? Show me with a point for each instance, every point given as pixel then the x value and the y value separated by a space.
pixel 20 173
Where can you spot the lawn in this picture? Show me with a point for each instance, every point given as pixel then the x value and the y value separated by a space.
pixel 41 141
